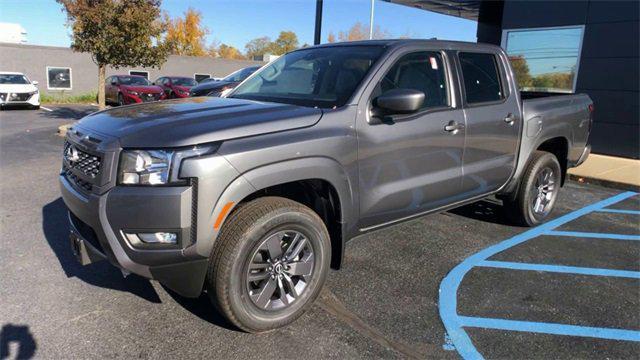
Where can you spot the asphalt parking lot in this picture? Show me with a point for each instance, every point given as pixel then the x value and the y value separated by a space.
pixel 576 296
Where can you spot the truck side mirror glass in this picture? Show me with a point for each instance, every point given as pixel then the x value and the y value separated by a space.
pixel 400 101
pixel 113 82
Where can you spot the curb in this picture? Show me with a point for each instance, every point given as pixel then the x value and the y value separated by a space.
pixel 62 130
pixel 603 182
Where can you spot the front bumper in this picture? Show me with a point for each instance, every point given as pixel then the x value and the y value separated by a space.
pixel 98 223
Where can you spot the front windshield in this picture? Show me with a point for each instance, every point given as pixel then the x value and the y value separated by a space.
pixel 315 77
pixel 183 81
pixel 13 79
pixel 240 75
pixel 133 80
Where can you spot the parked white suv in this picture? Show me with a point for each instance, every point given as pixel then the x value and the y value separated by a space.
pixel 17 89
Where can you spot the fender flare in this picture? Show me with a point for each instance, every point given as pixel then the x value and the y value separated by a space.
pixel 265 176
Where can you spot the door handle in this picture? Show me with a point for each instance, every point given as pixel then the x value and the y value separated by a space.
pixel 510 119
pixel 453 127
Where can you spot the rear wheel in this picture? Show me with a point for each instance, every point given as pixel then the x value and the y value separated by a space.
pixel 269 263
pixel 538 191
pixel 120 99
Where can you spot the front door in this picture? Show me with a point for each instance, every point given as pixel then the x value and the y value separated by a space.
pixel 410 163
pixel 493 123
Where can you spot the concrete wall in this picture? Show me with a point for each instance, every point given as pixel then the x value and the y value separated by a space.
pixel 33 60
pixel 609 63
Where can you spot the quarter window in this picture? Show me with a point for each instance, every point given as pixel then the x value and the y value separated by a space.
pixel 481 78
pixel 422 71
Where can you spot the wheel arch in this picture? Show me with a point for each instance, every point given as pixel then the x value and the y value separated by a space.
pixel 319 183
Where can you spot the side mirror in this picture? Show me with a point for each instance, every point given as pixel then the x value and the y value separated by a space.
pixel 34 82
pixel 400 101
pixel 113 82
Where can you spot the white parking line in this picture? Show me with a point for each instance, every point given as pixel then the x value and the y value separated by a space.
pixel 44 108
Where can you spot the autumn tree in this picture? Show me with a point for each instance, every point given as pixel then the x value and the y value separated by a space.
pixel 258 47
pixel 229 52
pixel 286 41
pixel 361 32
pixel 117 33
pixel 331 38
pixel 521 71
pixel 186 36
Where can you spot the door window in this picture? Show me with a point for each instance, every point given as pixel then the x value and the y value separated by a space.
pixel 422 71
pixel 481 77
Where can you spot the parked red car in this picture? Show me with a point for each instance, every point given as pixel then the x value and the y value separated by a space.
pixel 176 86
pixel 131 89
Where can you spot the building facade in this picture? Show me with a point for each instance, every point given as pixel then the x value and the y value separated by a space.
pixel 60 70
pixel 579 46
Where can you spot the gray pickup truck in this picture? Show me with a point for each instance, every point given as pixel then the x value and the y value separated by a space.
pixel 252 197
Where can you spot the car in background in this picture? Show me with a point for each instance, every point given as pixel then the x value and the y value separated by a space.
pixel 17 89
pixel 131 89
pixel 216 88
pixel 175 87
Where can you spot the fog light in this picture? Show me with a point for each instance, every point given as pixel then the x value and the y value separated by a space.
pixel 156 238
pixel 159 238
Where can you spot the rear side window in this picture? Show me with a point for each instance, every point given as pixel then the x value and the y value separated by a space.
pixel 422 71
pixel 481 77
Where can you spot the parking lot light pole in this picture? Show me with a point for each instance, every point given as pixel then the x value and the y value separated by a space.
pixel 371 21
pixel 318 31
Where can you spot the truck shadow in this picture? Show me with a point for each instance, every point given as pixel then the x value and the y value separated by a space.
pixel 202 308
pixel 56 230
pixel 490 211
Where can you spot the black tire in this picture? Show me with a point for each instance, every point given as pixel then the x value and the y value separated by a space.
pixel 248 228
pixel 521 209
pixel 120 99
pixel 35 107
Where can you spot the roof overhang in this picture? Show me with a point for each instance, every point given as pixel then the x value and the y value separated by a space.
pixel 467 9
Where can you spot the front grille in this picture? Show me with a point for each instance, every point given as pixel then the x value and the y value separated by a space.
pixel 77 159
pixel 18 96
pixel 73 178
pixel 150 97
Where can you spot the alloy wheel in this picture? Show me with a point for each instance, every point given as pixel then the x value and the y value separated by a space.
pixel 543 192
pixel 280 270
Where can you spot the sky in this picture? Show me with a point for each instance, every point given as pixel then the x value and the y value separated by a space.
pixel 235 22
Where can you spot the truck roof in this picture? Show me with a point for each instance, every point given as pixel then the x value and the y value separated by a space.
pixel 444 44
pixel 10 73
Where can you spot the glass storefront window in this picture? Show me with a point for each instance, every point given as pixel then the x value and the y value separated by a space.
pixel 545 59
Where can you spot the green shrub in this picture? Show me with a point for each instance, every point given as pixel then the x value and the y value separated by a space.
pixel 62 98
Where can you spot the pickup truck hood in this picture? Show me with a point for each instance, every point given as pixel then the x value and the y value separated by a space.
pixel 192 121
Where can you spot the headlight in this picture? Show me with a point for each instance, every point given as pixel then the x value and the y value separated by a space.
pixel 145 167
pixel 156 167
pixel 135 93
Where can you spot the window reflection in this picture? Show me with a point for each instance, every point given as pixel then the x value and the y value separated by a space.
pixel 545 59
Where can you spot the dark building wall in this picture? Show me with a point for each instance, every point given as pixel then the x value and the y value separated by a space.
pixel 609 62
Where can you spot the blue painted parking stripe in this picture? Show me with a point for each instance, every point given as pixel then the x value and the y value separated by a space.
pixel 551 328
pixel 593 235
pixel 448 301
pixel 620 211
pixel 560 269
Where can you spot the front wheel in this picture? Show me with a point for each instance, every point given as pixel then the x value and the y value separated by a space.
pixel 538 191
pixel 268 264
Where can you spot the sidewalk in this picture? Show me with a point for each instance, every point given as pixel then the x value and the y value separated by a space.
pixel 609 170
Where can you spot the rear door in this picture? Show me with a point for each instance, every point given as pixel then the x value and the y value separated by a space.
pixel 492 113
pixel 410 163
